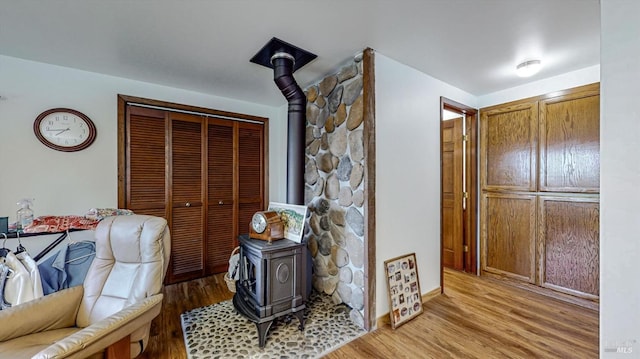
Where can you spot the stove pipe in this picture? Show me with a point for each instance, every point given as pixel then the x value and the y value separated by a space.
pixel 283 63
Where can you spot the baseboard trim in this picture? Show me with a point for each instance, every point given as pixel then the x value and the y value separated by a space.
pixel 384 319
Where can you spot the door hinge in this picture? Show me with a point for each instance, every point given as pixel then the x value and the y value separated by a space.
pixel 465 138
pixel 466 248
pixel 465 195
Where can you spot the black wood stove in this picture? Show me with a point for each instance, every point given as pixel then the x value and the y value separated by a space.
pixel 270 283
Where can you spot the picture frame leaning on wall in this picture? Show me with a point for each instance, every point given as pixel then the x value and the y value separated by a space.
pixel 405 297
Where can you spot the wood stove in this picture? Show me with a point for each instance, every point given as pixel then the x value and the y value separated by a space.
pixel 271 282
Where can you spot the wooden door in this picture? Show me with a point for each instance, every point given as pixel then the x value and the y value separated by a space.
pixel 452 195
pixel 146 186
pixel 188 184
pixel 221 222
pixel 250 173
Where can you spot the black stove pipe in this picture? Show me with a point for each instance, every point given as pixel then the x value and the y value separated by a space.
pixel 296 126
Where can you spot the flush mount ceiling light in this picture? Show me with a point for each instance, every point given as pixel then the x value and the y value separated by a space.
pixel 528 68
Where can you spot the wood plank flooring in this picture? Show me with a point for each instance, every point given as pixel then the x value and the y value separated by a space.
pixel 477 317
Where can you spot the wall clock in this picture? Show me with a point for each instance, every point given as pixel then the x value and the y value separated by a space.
pixel 64 129
pixel 266 225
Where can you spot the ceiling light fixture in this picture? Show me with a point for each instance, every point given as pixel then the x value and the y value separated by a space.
pixel 528 68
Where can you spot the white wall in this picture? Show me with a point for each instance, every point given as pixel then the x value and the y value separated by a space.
pixel 619 179
pixel 71 183
pixel 564 81
pixel 408 170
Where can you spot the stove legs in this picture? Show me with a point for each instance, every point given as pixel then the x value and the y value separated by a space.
pixel 263 329
pixel 300 315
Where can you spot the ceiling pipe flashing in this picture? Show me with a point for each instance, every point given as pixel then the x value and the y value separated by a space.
pixel 284 59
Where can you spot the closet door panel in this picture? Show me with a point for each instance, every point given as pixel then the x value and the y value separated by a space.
pixel 509 139
pixel 508 235
pixel 250 173
pixel 569 245
pixel 187 192
pixel 221 237
pixel 570 143
pixel 146 190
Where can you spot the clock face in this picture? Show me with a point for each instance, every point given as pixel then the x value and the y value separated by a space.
pixel 64 130
pixel 259 222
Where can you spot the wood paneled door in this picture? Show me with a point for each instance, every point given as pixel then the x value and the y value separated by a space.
pixel 203 170
pixel 540 179
pixel 458 183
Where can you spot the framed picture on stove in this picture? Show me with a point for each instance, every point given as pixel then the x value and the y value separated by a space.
pixel 293 217
pixel 405 297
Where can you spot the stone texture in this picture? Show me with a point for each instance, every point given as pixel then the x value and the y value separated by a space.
pixel 340 256
pixel 330 125
pixel 320 266
pixel 344 198
pixel 357 299
pixel 311 172
pixel 322 206
pixel 355 221
pixel 321 102
pixel 333 270
pixel 356 175
pixel 343 171
pixel 314 223
pixel 312 93
pixel 318 187
pixel 338 142
pixel 330 284
pixel 346 275
pixel 344 290
pixel 325 243
pixel 335 98
pixel 357 318
pixel 312 244
pixel 356 145
pixel 308 136
pixel 325 163
pixel 351 91
pixel 317 133
pixel 339 238
pixel 332 188
pixel 341 114
pixel 355 115
pixel 318 283
pixel 312 113
pixel 347 72
pixel 358 278
pixel 336 161
pixel 337 216
pixel 328 84
pixel 335 298
pixel 324 141
pixel 325 223
pixel 358 198
pixel 322 118
pixel 355 247
pixel 314 147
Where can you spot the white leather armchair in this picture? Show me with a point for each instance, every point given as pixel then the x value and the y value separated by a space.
pixel 110 314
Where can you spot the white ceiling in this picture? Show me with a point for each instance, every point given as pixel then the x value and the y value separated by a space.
pixel 205 46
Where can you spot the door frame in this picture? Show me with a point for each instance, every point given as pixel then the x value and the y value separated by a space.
pixel 471 215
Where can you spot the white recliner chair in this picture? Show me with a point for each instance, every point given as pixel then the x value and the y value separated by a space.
pixel 110 314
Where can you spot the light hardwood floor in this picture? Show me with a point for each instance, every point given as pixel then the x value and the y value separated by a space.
pixel 476 317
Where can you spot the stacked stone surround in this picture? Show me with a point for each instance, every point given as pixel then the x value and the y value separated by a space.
pixel 334 187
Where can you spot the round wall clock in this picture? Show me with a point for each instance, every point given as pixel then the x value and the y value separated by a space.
pixel 64 129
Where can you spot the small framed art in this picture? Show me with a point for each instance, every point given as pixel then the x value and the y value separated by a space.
pixel 405 298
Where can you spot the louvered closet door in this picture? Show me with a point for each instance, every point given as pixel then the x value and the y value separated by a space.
pixel 250 173
pixel 220 219
pixel 187 197
pixel 146 191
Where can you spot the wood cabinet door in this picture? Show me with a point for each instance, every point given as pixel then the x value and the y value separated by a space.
pixel 221 234
pixel 570 143
pixel 251 173
pixel 452 211
pixel 508 235
pixel 569 245
pixel 188 182
pixel 146 189
pixel 508 137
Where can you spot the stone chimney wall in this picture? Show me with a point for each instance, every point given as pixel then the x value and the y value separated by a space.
pixel 334 186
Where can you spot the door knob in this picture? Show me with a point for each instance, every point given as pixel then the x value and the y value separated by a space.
pixel 188 204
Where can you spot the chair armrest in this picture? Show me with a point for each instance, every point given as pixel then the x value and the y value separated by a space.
pixel 102 334
pixel 53 311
